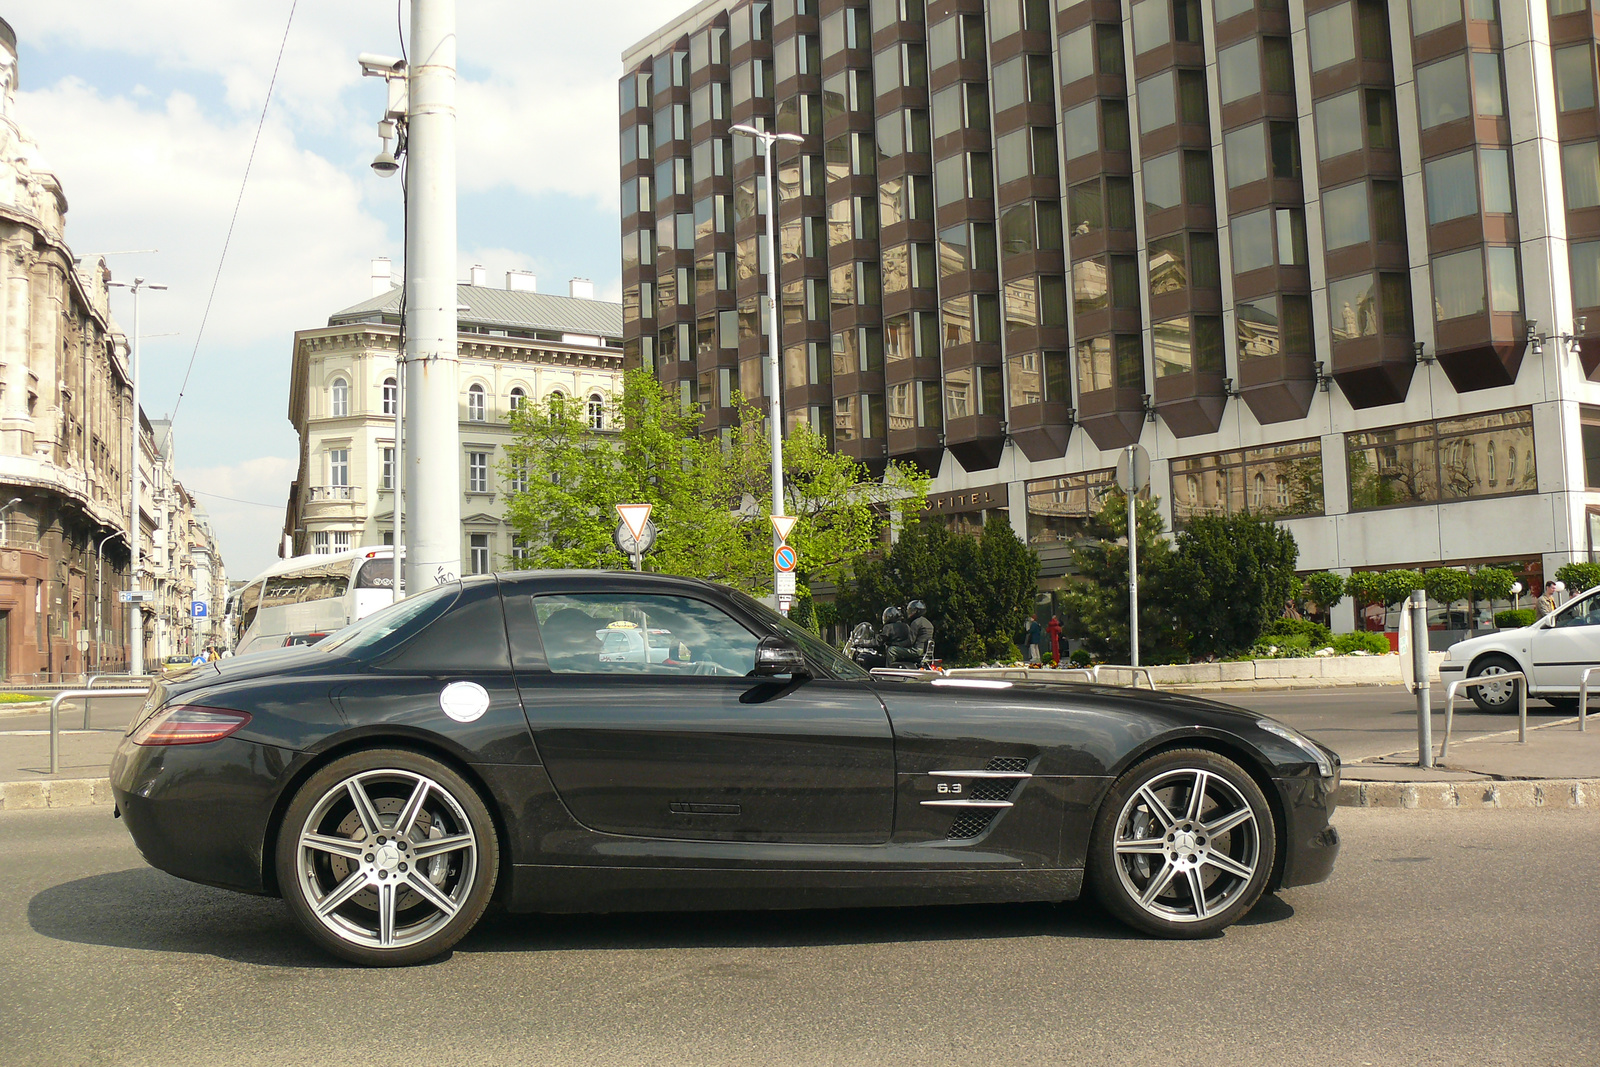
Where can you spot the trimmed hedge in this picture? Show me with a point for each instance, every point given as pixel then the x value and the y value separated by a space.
pixel 1510 620
pixel 1344 644
pixel 1316 634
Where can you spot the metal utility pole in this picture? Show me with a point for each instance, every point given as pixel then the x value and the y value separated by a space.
pixel 1417 606
pixel 136 622
pixel 432 449
pixel 774 397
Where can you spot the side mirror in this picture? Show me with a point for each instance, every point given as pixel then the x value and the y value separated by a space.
pixel 775 655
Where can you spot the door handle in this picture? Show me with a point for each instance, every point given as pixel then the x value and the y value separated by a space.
pixel 684 808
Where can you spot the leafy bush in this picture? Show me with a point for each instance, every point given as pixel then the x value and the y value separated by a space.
pixel 1391 587
pixel 1228 577
pixel 1316 633
pixel 1447 584
pixel 1344 644
pixel 1324 588
pixel 1293 646
pixel 1080 658
pixel 1492 583
pixel 1579 576
pixel 1516 617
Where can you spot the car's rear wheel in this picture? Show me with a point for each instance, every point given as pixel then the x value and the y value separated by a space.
pixel 387 857
pixel 1495 696
pixel 1183 846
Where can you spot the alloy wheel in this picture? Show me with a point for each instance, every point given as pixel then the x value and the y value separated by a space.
pixel 1187 845
pixel 386 858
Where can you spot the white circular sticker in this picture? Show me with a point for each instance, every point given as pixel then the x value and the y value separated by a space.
pixel 464 701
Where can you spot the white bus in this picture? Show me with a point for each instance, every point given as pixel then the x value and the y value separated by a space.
pixel 302 600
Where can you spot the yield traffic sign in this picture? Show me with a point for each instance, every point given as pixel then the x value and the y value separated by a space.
pixel 634 516
pixel 784 558
pixel 783 524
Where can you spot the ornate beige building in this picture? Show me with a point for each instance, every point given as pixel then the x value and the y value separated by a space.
pixel 514 344
pixel 65 418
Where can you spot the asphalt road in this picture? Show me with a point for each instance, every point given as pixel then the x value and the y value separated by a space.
pixel 1442 938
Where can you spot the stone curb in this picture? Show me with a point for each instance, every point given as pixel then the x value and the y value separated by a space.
pixel 1554 794
pixel 55 793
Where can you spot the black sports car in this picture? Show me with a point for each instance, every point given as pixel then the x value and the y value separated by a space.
pixel 596 741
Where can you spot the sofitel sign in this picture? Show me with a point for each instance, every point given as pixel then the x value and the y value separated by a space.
pixel 975 499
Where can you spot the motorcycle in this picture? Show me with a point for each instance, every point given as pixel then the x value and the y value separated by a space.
pixel 867 648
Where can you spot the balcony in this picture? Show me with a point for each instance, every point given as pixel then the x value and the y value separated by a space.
pixel 334 501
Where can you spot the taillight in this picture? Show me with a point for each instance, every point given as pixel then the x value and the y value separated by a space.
pixel 186 724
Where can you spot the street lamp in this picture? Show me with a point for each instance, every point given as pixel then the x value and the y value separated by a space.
pixel 136 627
pixel 774 401
pixel 99 597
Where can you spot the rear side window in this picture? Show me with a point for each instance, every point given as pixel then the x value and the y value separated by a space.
pixel 471 636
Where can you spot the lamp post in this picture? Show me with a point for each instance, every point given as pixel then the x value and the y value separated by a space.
pixel 136 624
pixel 99 598
pixel 774 400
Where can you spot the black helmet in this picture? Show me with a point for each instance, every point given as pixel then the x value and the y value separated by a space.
pixel 891 614
pixel 916 609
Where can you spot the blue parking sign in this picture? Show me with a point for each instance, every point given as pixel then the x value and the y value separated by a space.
pixel 197 609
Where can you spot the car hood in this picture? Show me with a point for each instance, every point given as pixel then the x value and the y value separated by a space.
pixel 1473 645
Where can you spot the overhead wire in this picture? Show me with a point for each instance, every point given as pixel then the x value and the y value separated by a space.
pixel 232 221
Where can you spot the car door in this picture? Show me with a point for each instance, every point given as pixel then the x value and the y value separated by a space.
pixel 1568 643
pixel 682 741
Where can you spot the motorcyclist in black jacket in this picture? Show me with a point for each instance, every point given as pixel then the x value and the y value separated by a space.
pixel 896 638
pixel 921 629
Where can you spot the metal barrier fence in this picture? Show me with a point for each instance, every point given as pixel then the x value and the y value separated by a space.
pixel 1026 674
pixel 1583 699
pixel 1137 672
pixel 1486 679
pixel 93 678
pixel 55 715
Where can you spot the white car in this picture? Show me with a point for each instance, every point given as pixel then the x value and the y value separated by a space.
pixel 1552 653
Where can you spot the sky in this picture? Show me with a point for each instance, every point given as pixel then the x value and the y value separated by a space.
pixel 146 110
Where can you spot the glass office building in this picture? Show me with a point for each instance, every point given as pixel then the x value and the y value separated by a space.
pixel 1331 262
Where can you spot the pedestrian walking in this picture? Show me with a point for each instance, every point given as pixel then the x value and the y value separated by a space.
pixel 1547 603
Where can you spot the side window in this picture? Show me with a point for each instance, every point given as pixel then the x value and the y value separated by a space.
pixel 471 636
pixel 600 633
pixel 1585 612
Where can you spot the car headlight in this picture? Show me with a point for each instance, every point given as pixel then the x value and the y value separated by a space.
pixel 1302 742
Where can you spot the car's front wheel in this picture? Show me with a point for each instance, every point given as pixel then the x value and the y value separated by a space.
pixel 1183 846
pixel 387 857
pixel 1495 696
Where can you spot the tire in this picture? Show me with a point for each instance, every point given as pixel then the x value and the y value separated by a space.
pixel 370 894
pixel 1494 698
pixel 1178 869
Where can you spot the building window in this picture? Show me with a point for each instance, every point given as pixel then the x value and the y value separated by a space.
pixel 1444 460
pixel 1580 173
pixel 339 472
pixel 391 396
pixel 519 396
pixel 1574 70
pixel 519 478
pixel 477 472
pixel 597 412
pixel 341 398
pixel 479 561
pixel 319 542
pixel 1059 509
pixel 388 468
pixel 475 403
pixel 341 540
pixel 1235 483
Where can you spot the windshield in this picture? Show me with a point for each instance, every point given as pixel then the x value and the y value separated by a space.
pixel 380 625
pixel 838 664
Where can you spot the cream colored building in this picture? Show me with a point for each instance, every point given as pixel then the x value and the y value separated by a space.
pixel 180 561
pixel 514 343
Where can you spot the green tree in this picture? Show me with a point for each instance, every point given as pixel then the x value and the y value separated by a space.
pixel 1325 589
pixel 1095 607
pixel 1492 583
pixel 1578 576
pixel 1447 585
pixel 1228 577
pixel 711 497
pixel 1391 587
pixel 979 591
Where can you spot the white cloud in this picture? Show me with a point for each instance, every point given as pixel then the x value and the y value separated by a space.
pixel 250 532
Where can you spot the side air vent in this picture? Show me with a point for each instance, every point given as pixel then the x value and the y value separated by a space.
pixel 992 789
pixel 970 824
pixel 1007 763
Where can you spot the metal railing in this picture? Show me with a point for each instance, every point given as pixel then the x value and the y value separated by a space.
pixel 1583 699
pixel 93 678
pixel 55 715
pixel 1137 673
pixel 1486 679
pixel 1088 674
